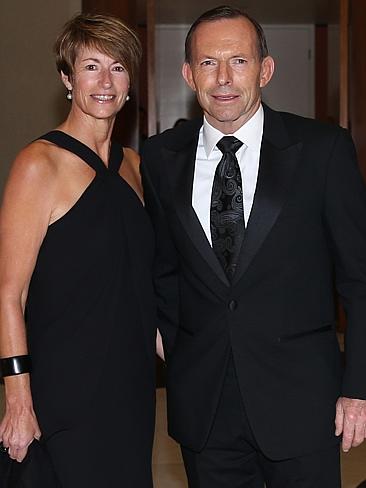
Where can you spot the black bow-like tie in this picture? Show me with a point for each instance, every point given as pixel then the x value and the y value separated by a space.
pixel 227 213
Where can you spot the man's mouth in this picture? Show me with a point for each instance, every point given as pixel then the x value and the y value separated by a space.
pixel 225 98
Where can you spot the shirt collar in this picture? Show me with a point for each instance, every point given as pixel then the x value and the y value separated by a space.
pixel 249 134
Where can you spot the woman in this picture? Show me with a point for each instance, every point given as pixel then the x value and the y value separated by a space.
pixel 76 252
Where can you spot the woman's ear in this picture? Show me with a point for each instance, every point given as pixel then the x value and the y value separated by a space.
pixel 66 80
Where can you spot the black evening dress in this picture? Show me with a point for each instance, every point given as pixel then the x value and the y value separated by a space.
pixel 91 329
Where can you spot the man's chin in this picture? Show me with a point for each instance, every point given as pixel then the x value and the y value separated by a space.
pixel 222 118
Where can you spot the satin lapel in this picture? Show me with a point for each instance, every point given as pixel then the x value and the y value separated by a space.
pixel 181 164
pixel 276 170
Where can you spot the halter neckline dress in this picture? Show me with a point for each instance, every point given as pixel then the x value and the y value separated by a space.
pixel 91 331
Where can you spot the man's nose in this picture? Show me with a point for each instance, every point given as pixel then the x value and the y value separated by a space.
pixel 224 76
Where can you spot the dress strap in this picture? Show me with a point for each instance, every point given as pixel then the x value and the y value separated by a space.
pixel 84 152
pixel 115 157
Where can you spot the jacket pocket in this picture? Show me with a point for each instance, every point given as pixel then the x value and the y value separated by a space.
pixel 305 333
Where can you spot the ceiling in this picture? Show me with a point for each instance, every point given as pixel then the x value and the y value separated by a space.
pixel 265 11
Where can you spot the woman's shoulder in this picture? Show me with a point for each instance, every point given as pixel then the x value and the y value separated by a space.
pixel 131 157
pixel 32 180
pixel 36 160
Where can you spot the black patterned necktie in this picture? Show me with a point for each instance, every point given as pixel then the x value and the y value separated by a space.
pixel 227 213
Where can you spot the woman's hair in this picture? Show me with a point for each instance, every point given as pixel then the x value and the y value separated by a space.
pixel 106 33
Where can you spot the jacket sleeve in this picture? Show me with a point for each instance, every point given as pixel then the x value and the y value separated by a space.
pixel 165 264
pixel 345 215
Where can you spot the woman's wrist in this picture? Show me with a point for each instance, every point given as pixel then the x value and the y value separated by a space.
pixel 18 390
pixel 15 365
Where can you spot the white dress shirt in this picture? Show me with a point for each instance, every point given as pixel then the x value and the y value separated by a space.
pixel 208 157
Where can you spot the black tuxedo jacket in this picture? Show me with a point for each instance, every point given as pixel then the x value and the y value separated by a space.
pixel 307 226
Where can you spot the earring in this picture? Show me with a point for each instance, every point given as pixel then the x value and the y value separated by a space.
pixel 69 95
pixel 127 98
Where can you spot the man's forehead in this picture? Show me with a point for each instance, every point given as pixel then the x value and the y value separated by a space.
pixel 239 24
pixel 224 32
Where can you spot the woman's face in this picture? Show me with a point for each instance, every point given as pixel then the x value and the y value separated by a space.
pixel 99 84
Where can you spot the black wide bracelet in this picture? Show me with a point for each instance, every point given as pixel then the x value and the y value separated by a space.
pixel 15 365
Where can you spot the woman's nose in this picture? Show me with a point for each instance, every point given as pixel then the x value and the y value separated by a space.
pixel 106 79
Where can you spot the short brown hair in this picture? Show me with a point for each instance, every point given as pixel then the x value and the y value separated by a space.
pixel 220 13
pixel 106 33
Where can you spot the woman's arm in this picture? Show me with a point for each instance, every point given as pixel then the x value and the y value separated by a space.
pixel 24 218
pixel 130 171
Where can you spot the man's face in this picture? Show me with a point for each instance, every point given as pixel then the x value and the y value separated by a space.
pixel 226 72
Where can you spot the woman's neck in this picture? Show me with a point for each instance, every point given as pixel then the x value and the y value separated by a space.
pixel 94 133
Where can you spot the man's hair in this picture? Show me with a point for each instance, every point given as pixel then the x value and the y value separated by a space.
pixel 106 33
pixel 221 13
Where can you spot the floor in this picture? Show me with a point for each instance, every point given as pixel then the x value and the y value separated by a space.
pixel 167 463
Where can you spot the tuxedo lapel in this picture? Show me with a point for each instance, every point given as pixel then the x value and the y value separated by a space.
pixel 278 160
pixel 181 173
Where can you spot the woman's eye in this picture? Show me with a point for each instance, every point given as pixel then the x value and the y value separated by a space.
pixel 91 67
pixel 119 69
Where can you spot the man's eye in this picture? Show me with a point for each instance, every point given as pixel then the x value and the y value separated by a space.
pixel 240 61
pixel 207 62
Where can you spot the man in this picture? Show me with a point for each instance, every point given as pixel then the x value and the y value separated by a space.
pixel 255 212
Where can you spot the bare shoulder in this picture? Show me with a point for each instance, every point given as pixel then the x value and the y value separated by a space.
pixel 131 158
pixel 26 210
pixel 32 176
pixel 35 162
pixel 130 170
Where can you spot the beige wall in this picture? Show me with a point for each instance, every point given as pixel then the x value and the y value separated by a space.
pixel 32 97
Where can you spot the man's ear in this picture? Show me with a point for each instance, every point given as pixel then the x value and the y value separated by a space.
pixel 267 70
pixel 66 80
pixel 187 75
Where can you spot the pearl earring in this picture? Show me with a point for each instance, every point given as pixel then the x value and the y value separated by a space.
pixel 69 95
pixel 127 98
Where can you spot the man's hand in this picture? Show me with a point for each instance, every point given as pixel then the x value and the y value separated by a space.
pixel 159 346
pixel 351 421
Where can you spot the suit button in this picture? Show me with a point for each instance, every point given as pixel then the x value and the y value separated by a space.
pixel 233 305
